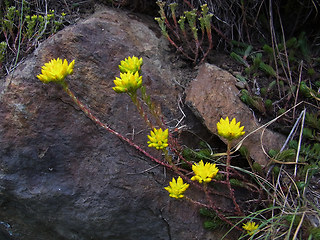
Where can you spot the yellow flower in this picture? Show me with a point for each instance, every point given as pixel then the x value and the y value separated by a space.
pixel 229 130
pixel 177 188
pixel 128 82
pixel 251 227
pixel 158 138
pixel 55 71
pixel 204 173
pixel 131 65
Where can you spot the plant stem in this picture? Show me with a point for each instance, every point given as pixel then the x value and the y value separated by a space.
pixel 239 212
pixel 153 108
pixel 88 113
pixel 212 206
pixel 142 113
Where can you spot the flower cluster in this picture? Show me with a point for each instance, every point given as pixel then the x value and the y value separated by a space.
pixel 131 64
pixel 229 130
pixel 158 138
pixel 177 188
pixel 250 227
pixel 55 71
pixel 130 80
pixel 204 172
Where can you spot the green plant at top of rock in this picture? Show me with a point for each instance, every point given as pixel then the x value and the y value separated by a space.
pixel 23 30
pixel 189 32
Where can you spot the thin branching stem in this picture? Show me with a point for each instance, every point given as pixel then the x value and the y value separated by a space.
pixel 239 212
pixel 88 113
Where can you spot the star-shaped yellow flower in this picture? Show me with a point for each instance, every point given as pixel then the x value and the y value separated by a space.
pixel 55 71
pixel 131 64
pixel 229 130
pixel 204 172
pixel 127 83
pixel 158 138
pixel 250 227
pixel 177 188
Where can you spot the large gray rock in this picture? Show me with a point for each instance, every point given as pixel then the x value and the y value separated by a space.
pixel 63 177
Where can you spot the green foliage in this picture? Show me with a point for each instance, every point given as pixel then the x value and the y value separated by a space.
pixel 308 92
pixel 207 213
pixel 257 167
pixel 253 101
pixel 163 28
pixel 311 152
pixel 276 171
pixel 285 156
pixel 311 72
pixel 198 155
pixel 278 68
pixel 212 221
pixel 293 218
pixel 22 30
pixel 211 225
pixel 307 132
pixel 239 59
pixel 303 45
pixel 3 48
pixel 281 111
pixel 268 104
pixel 312 128
pixel 236 182
pixel 301 185
pixel 267 69
pixel 315 232
pixel 187 32
pixel 313 120
pixel 244 152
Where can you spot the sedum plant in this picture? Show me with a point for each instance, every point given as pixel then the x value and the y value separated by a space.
pixel 22 31
pixel 56 71
pixel 177 188
pixel 250 227
pixel 194 173
pixel 130 82
pixel 204 172
pixel 188 33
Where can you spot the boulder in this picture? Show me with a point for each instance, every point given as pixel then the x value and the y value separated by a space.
pixel 213 95
pixel 64 177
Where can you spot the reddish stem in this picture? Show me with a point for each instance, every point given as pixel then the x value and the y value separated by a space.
pixel 239 212
pixel 221 216
pixel 142 113
pixel 88 113
pixel 178 48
